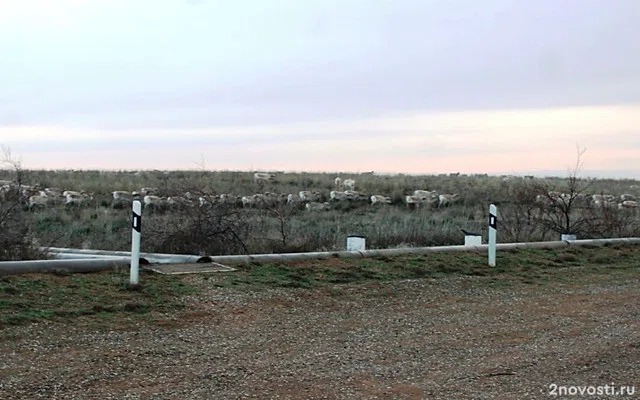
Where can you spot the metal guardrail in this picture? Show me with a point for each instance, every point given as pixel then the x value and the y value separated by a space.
pixel 145 258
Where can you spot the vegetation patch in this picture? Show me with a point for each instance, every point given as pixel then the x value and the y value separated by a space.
pixel 527 266
pixel 529 209
pixel 104 296
pixel 33 297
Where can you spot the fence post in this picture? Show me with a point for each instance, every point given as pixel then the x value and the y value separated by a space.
pixel 136 226
pixel 493 212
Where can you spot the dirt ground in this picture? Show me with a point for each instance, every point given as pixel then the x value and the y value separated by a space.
pixel 449 338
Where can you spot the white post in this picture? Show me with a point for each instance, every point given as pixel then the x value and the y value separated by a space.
pixel 493 213
pixel 135 242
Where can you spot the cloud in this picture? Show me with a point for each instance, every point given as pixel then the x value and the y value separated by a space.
pixel 424 85
pixel 117 64
pixel 471 141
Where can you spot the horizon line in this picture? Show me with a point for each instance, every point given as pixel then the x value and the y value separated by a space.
pixel 582 174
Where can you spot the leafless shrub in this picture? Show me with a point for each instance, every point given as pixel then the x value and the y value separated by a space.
pixel 215 230
pixel 608 221
pixel 519 217
pixel 562 212
pixel 539 207
pixel 16 241
pixel 280 215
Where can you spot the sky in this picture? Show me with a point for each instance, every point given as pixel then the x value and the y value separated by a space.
pixel 404 86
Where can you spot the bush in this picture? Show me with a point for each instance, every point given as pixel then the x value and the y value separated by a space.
pixel 213 231
pixel 16 239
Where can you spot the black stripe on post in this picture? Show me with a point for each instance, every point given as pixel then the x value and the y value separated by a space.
pixel 137 222
pixel 493 223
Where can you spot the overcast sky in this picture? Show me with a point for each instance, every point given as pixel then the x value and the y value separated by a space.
pixel 416 86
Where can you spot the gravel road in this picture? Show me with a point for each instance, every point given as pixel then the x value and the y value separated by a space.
pixel 450 338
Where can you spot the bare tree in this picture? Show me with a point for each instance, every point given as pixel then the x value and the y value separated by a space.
pixel 283 214
pixel 14 165
pixel 15 237
pixel 520 213
pixel 563 211
pixel 201 165
pixel 7 157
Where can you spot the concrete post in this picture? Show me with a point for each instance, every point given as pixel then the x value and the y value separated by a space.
pixel 493 215
pixel 136 226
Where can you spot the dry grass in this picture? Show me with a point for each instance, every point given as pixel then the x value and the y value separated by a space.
pixel 290 229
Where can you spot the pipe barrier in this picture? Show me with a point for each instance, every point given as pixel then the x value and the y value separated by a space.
pixel 86 260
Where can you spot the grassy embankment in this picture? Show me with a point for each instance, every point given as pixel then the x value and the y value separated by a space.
pixel 103 300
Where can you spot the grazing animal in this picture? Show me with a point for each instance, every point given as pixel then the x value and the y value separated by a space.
pixel 426 194
pixel 154 201
pixel 121 199
pixel 293 198
pixel 581 197
pixel 53 195
pixel 552 194
pixel 73 193
pixel 178 202
pixel 120 195
pixel 4 191
pixel 336 195
pixel 38 201
pixel 29 190
pixel 189 196
pixel 355 195
pixel 414 201
pixel 273 199
pixel 207 201
pixel 541 198
pixel 154 204
pixel 52 192
pixel 429 197
pixel 315 206
pixel 379 199
pixel 602 203
pixel 247 201
pixel 253 200
pixel 628 204
pixel 445 200
pixel 603 197
pixel 263 177
pixel 226 198
pixel 349 184
pixel 307 195
pixel 148 191
pixel 73 199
